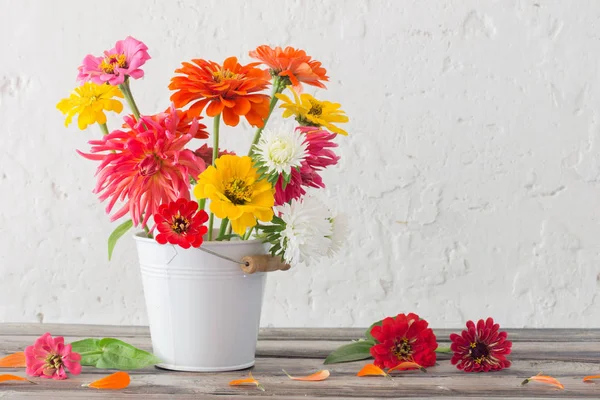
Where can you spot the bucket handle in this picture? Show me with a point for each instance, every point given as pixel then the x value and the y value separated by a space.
pixel 263 263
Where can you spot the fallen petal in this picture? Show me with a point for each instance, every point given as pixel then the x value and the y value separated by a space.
pixel 590 378
pixel 116 381
pixel 403 366
pixel 247 381
pixel 372 370
pixel 15 360
pixel 9 377
pixel 317 376
pixel 544 379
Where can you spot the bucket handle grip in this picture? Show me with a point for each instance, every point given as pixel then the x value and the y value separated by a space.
pixel 263 263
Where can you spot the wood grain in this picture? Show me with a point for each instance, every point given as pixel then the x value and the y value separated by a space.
pixel 566 354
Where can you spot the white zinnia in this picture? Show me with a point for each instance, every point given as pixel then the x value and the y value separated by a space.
pixel 281 149
pixel 308 230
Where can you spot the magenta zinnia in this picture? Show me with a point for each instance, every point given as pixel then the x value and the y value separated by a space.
pixel 50 357
pixel 481 347
pixel 144 166
pixel 124 60
pixel 319 156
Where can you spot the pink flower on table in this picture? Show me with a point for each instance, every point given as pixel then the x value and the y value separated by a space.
pixel 319 156
pixel 124 60
pixel 144 166
pixel 51 357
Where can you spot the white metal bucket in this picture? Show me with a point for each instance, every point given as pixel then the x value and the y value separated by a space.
pixel 203 311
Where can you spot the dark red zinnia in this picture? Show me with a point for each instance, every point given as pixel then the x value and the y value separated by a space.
pixel 180 222
pixel 404 338
pixel 480 348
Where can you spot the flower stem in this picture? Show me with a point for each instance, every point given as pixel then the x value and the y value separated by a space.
pixel 129 97
pixel 215 155
pixel 224 223
pixel 278 87
pixel 201 204
pixel 104 129
pixel 442 349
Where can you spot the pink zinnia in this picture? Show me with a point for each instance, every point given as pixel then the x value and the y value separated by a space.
pixel 145 166
pixel 319 156
pixel 125 59
pixel 51 357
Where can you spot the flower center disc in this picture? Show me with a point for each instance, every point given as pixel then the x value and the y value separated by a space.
pixel 180 224
pixel 315 108
pixel 222 74
pixel 479 351
pixel 114 60
pixel 402 350
pixel 54 361
pixel 238 192
pixel 149 165
pixel 280 152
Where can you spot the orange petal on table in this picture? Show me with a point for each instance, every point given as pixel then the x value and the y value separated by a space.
pixel 544 379
pixel 372 370
pixel 14 360
pixel 9 377
pixel 118 380
pixel 403 366
pixel 590 378
pixel 247 381
pixel 317 376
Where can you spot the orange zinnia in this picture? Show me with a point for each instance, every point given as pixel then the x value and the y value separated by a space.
pixel 229 89
pixel 293 64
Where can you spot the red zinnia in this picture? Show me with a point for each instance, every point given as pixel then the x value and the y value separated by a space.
pixel 180 222
pixel 480 348
pixel 405 338
pixel 293 64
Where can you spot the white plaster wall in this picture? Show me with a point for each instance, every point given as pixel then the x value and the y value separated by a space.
pixel 471 173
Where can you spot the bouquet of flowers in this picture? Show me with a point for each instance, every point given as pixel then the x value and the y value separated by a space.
pixel 147 170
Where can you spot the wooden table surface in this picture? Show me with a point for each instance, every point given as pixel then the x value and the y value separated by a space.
pixel 567 355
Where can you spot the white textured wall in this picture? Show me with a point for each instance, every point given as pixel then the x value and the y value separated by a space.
pixel 471 173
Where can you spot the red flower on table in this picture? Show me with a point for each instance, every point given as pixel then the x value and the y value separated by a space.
pixel 401 339
pixel 480 348
pixel 181 223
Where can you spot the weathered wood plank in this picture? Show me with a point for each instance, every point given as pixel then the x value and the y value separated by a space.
pixel 342 334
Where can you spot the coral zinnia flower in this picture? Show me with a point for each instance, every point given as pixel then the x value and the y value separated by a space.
pixel 144 166
pixel 312 112
pixel 180 222
pixel 292 64
pixel 230 89
pixel 404 338
pixel 182 124
pixel 51 357
pixel 235 192
pixel 124 60
pixel 89 101
pixel 480 348
pixel 319 156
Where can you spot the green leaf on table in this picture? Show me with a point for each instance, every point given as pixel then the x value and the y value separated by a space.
pixel 112 353
pixel 351 352
pixel 116 235
pixel 368 332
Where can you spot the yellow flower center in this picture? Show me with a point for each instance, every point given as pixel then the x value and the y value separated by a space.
pixel 180 224
pixel 54 361
pixel 316 108
pixel 114 60
pixel 238 192
pixel 222 74
pixel 402 350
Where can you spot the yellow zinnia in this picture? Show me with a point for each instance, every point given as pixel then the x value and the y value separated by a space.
pixel 235 192
pixel 312 112
pixel 89 101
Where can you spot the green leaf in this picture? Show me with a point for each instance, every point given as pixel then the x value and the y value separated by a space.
pixel 110 353
pixel 116 235
pixel 351 352
pixel 368 332
pixel 87 346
